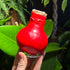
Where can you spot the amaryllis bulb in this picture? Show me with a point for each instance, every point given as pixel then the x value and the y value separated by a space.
pixel 32 39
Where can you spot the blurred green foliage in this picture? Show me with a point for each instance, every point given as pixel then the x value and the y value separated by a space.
pixel 4 20
pixel 64 4
pixel 6 5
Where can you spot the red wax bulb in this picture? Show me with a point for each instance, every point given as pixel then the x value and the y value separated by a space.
pixel 32 39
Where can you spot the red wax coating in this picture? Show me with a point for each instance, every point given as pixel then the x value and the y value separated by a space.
pixel 32 39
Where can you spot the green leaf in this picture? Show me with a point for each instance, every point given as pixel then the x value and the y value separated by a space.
pixel 22 2
pixel 50 62
pixel 8 42
pixel 53 47
pixel 46 2
pixel 19 9
pixel 4 20
pixel 4 7
pixel 27 11
pixel 41 1
pixel 58 65
pixel 21 25
pixel 22 16
pixel 7 18
pixel 2 15
pixel 48 27
pixel 64 4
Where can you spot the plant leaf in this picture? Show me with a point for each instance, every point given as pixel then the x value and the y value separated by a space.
pixel 53 47
pixel 8 42
pixel 50 62
pixel 4 20
pixel 1 15
pixel 4 7
pixel 48 27
pixel 41 1
pixel 64 4
pixel 22 16
pixel 21 25
pixel 46 2
pixel 27 11
pixel 15 6
pixel 58 65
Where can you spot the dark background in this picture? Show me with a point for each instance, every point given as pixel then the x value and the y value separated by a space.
pixel 62 17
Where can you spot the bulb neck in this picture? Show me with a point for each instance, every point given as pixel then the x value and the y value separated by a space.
pixel 37 18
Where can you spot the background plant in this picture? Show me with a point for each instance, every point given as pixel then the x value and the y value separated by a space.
pixel 55 51
pixel 20 6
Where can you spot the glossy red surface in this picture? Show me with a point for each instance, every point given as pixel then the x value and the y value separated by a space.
pixel 32 39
